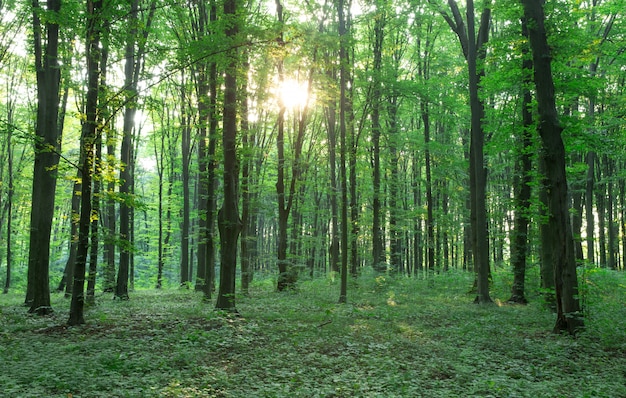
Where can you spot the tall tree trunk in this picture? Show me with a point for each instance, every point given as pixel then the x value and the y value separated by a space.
pixel 130 86
pixel 209 286
pixel 9 200
pixel 395 236
pixel 472 45
pixel 521 182
pixel 343 83
pixel 589 216
pixel 612 246
pixel 379 262
pixel 417 224
pixel 474 54
pixel 200 29
pixel 247 141
pixel 159 155
pixel 47 148
pixel 334 189
pixel 228 217
pixel 284 278
pixel 430 222
pixel 66 282
pixel 569 317
pixel 134 54
pixel 88 137
pixel 600 193
pixel 110 216
pixel 95 209
pixel 354 205
pixel 186 160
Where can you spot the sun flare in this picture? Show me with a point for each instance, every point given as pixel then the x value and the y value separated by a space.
pixel 294 94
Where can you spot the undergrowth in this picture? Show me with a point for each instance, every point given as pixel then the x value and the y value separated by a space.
pixel 397 337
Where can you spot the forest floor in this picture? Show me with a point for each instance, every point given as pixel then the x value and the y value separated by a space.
pixel 396 337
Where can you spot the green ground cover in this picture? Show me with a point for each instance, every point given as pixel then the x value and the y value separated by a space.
pixel 395 338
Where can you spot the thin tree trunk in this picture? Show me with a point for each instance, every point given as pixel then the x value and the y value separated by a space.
pixel 186 159
pixel 134 55
pixel 589 217
pixel 95 209
pixel 212 171
pixel 430 223
pixel 334 189
pixel 343 82
pixel 247 141
pixel 522 180
pixel 110 218
pixel 612 228
pixel 88 137
pixel 9 200
pixel 130 86
pixel 379 262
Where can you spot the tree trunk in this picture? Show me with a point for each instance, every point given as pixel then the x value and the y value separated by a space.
pixel 66 282
pixel 589 216
pixel 379 262
pixel 569 317
pixel 133 57
pixel 130 85
pixel 110 217
pixel 247 142
pixel 47 148
pixel 343 83
pixel 481 250
pixel 395 236
pixel 9 200
pixel 95 209
pixel 430 223
pixel 334 189
pixel 228 217
pixel 612 245
pixel 186 159
pixel 88 137
pixel 472 45
pixel 521 183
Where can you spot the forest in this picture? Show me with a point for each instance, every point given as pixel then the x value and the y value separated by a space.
pixel 356 162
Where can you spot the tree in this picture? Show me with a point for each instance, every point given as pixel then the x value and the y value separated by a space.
pixel 522 181
pixel 569 317
pixel 342 10
pixel 185 121
pixel 47 147
pixel 134 54
pixel 88 140
pixel 378 247
pixel 228 222
pixel 473 49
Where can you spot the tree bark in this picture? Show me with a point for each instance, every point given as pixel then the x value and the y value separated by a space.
pixel 521 182
pixel 472 46
pixel 88 137
pixel 343 83
pixel 379 262
pixel 47 148
pixel 186 160
pixel 229 223
pixel 569 316
pixel 589 217
pixel 334 189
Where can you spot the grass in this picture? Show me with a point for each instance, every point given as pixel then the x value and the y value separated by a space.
pixel 396 338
